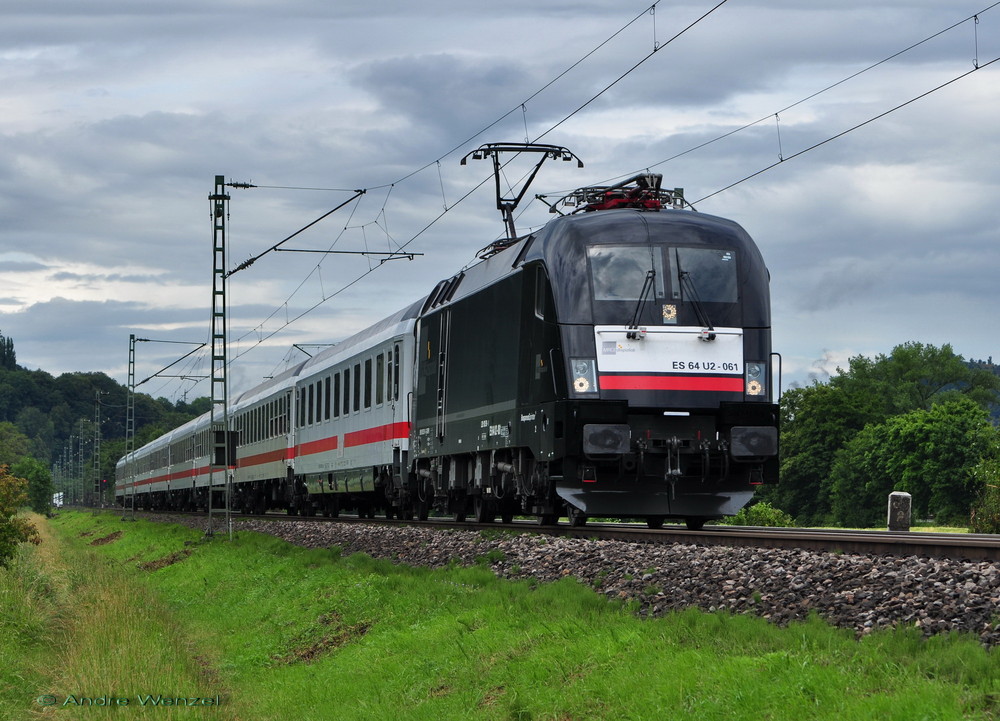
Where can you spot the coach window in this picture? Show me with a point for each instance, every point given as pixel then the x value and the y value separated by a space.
pixel 302 407
pixel 336 395
pixel 347 391
pixel 379 378
pixel 309 404
pixel 357 387
pixel 368 383
pixel 326 398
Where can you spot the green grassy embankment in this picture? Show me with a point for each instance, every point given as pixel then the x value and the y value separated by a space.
pixel 280 632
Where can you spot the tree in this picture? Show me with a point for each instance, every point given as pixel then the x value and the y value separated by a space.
pixel 916 376
pixel 14 445
pixel 816 422
pixel 8 358
pixel 930 454
pixel 985 514
pixel 14 530
pixel 820 420
pixel 39 429
pixel 40 486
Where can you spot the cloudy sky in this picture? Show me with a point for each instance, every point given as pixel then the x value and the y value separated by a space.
pixel 116 116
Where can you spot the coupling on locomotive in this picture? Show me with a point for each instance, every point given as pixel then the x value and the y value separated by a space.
pixel 616 363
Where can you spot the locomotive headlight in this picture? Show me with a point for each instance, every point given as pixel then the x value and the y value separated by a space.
pixel 584 375
pixel 756 378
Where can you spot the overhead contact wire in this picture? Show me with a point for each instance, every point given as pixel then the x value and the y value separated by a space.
pixel 850 130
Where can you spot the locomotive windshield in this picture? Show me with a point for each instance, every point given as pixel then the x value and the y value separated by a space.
pixel 711 270
pixel 682 276
pixel 619 271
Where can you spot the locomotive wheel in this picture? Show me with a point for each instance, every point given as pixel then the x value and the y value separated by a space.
pixel 654 522
pixel 259 505
pixel 548 519
pixel 460 506
pixel 577 518
pixel 694 523
pixel 484 510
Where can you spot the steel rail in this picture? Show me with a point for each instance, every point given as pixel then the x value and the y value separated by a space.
pixel 959 546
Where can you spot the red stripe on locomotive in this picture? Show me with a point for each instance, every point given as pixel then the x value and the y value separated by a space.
pixel 727 384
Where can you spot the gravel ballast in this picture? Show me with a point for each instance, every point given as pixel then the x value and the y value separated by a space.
pixel 859 592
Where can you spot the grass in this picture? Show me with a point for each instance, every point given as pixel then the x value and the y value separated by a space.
pixel 81 634
pixel 283 632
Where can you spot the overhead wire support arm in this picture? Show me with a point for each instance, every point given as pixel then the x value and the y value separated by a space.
pixel 392 254
pixel 250 261
pixel 159 372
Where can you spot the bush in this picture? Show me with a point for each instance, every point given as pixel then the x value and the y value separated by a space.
pixel 761 514
pixel 14 530
pixel 985 514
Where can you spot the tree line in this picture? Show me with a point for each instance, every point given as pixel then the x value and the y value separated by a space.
pixel 44 417
pixel 916 420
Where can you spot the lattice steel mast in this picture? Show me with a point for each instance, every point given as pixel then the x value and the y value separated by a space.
pixel 219 461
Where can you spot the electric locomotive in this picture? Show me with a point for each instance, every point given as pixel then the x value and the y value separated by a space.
pixel 617 363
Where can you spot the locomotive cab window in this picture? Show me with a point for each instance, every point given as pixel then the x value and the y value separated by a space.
pixel 708 272
pixel 619 272
pixel 661 285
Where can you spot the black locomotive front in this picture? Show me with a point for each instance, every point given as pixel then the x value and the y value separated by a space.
pixel 615 364
pixel 664 322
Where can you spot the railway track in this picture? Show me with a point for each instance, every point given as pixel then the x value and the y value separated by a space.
pixel 957 546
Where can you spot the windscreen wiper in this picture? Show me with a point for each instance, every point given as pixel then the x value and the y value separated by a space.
pixel 687 283
pixel 633 330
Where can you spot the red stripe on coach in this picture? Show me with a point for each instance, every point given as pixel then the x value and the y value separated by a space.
pixel 388 432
